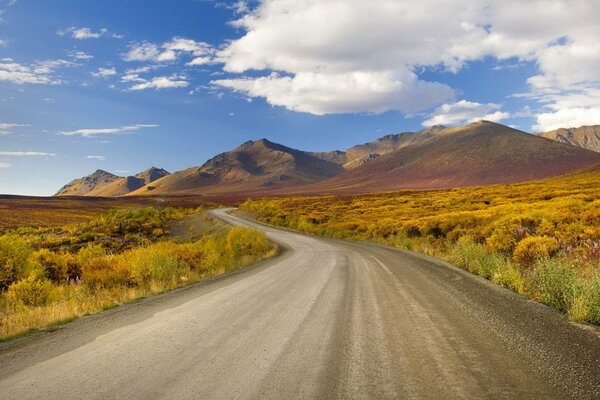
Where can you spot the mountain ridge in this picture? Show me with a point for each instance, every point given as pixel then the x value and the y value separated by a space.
pixel 479 153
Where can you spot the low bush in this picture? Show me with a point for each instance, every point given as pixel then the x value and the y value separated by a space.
pixel 158 262
pixel 534 248
pixel 31 291
pixel 14 260
pixel 556 283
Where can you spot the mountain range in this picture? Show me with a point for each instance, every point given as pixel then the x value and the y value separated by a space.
pixel 479 153
pixel 104 184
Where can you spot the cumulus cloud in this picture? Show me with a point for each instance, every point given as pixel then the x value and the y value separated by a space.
pixel 84 33
pixel 199 52
pixel 567 118
pixel 104 72
pixel 3 42
pixel 106 131
pixel 5 165
pixel 97 158
pixel 465 111
pixel 157 83
pixel 305 41
pixel 351 92
pixel 38 73
pixel 26 154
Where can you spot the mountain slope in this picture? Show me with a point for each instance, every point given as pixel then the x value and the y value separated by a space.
pixel 255 165
pixel 83 186
pixel 130 183
pixel 363 153
pixel 480 153
pixel 104 184
pixel 587 137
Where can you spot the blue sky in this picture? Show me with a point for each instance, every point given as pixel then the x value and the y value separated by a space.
pixel 122 85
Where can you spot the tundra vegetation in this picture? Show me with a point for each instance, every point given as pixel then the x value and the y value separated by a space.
pixel 540 239
pixel 53 274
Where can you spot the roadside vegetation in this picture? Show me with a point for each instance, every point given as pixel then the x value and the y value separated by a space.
pixel 540 239
pixel 49 275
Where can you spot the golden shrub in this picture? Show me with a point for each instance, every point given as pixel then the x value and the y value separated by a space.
pixel 535 248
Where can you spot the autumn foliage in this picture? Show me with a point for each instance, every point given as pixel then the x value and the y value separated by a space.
pixel 514 235
pixel 50 275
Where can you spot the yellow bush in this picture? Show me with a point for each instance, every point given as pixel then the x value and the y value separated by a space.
pixel 31 291
pixel 155 263
pixel 14 260
pixel 534 248
pixel 55 265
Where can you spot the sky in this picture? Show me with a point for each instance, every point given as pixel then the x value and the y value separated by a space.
pixel 122 85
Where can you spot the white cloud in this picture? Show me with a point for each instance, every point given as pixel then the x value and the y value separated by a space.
pixel 87 33
pixel 353 92
pixel 567 118
pixel 465 112
pixel 142 52
pixel 306 41
pixel 107 131
pixel 3 42
pixel 5 165
pixel 159 82
pixel 80 55
pixel 97 158
pixel 104 72
pixel 5 128
pixel 38 73
pixel 26 154
pixel 201 52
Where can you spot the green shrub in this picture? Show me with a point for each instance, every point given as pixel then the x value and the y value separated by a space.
pixel 509 277
pixel 593 290
pixel 555 283
pixel 14 260
pixel 475 258
pixel 31 291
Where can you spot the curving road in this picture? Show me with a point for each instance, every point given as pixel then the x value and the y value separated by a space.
pixel 326 319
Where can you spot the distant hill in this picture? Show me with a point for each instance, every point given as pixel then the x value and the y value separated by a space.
pixel 83 186
pixel 587 137
pixel 104 184
pixel 480 153
pixel 255 165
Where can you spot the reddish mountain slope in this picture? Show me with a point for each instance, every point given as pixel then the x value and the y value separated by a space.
pixel 480 153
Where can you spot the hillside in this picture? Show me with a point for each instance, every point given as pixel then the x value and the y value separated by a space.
pixel 480 153
pixel 363 153
pixel 83 186
pixel 253 166
pixel 104 184
pixel 587 137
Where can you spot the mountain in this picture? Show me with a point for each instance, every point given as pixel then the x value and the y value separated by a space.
pixel 128 184
pixel 104 184
pixel 253 166
pixel 363 153
pixel 587 137
pixel 85 185
pixel 480 153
